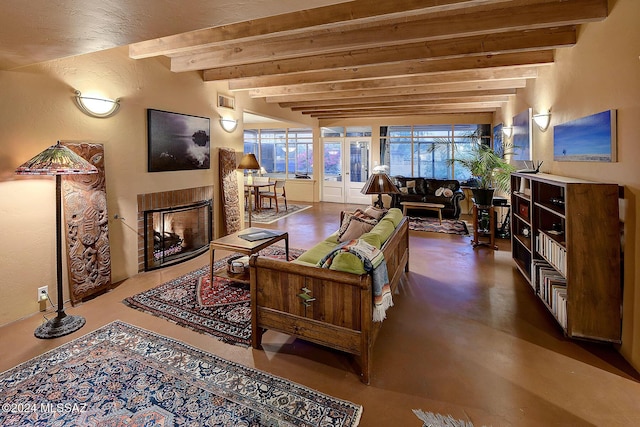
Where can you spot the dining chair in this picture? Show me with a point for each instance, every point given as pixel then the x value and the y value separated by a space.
pixel 277 193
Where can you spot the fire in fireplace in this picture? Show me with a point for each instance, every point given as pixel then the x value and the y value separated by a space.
pixel 176 234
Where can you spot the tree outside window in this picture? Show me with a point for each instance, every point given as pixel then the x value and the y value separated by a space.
pixel 281 152
pixel 426 150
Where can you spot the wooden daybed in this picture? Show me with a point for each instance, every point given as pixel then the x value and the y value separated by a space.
pixel 337 307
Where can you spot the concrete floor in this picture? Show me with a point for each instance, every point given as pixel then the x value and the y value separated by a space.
pixel 466 337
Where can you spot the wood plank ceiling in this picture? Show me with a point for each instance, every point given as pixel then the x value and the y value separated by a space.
pixel 373 58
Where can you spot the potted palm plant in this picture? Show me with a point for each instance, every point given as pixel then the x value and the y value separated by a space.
pixel 491 170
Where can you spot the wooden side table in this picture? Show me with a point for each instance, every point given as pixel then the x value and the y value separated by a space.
pixel 477 233
pixel 235 243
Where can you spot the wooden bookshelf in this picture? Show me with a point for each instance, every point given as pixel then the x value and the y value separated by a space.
pixel 566 243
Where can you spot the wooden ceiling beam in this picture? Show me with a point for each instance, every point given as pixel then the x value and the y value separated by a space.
pixel 522 17
pixel 407 68
pixel 500 75
pixel 502 95
pixel 392 92
pixel 490 44
pixel 401 113
pixel 446 105
pixel 458 102
pixel 362 11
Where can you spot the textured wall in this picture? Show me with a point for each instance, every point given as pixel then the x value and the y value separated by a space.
pixel 601 72
pixel 37 109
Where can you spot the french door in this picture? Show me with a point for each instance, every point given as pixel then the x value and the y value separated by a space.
pixel 346 169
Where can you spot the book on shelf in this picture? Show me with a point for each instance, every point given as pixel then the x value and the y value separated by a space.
pixel 552 251
pixel 561 307
pixel 548 276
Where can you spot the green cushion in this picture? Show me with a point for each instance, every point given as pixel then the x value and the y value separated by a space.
pixel 309 264
pixel 372 238
pixel 317 252
pixel 347 262
pixel 394 215
pixel 383 229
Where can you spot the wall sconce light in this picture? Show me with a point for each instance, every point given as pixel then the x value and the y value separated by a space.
pixel 97 107
pixel 542 120
pixel 228 124
pixel 507 131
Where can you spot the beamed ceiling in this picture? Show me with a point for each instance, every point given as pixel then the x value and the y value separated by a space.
pixel 371 58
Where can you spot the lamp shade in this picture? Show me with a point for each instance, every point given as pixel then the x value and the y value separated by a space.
pixel 228 124
pixel 97 107
pixel 249 161
pixel 379 183
pixel 56 160
pixel 542 120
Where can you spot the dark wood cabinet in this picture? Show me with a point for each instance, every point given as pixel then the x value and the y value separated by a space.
pixel 566 243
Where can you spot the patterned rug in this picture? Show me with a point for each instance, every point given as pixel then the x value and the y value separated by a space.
pixel 226 316
pixel 122 375
pixel 449 226
pixel 269 215
pixel 221 291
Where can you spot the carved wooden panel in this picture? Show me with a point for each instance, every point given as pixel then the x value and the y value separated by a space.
pixel 229 190
pixel 87 229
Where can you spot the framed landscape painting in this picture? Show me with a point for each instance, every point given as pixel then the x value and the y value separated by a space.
pixel 588 139
pixel 498 146
pixel 177 141
pixel 522 135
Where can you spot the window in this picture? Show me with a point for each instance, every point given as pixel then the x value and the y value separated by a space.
pixel 281 152
pixel 300 152
pixel 426 150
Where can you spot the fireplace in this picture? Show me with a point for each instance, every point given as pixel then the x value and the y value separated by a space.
pixel 177 234
pixel 173 226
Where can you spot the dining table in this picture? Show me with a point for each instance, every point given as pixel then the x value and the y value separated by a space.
pixel 254 188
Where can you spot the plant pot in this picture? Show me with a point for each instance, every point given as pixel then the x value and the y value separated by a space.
pixel 483 196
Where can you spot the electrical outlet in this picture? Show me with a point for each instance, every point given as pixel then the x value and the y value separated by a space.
pixel 43 292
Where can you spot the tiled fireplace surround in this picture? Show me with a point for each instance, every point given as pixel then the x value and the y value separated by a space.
pixel 163 200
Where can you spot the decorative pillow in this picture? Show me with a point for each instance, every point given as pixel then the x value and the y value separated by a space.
pixel 411 187
pixel 346 217
pixel 374 212
pixel 444 192
pixel 403 190
pixel 355 225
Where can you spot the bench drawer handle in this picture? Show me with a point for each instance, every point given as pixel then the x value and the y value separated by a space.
pixel 306 297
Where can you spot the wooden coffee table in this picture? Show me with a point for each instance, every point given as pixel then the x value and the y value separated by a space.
pixel 235 243
pixel 437 207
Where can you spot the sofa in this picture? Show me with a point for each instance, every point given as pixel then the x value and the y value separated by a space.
pixel 331 306
pixel 442 191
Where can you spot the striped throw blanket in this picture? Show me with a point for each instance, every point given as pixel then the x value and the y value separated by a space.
pixel 374 264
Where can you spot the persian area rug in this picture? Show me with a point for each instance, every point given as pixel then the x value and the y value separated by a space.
pixel 449 226
pixel 436 420
pixel 121 375
pixel 268 215
pixel 221 291
pixel 220 309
